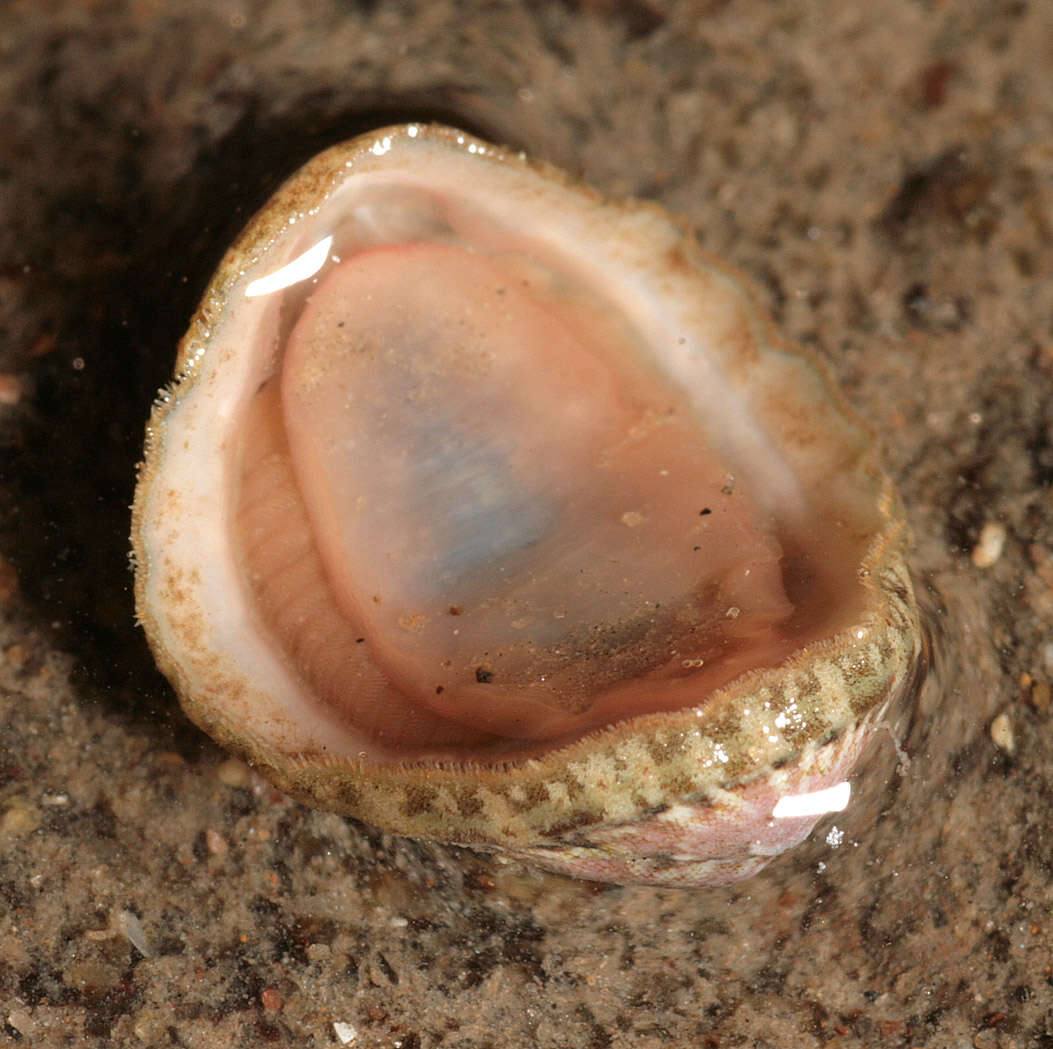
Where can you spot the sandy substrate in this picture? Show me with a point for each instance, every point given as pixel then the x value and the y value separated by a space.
pixel 884 173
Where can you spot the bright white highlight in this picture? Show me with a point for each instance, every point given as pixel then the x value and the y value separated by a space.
pixel 814 803
pixel 302 267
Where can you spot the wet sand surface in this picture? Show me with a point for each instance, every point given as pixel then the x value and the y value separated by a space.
pixel 883 173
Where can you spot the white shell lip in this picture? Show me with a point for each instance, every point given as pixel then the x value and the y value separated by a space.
pixel 215 650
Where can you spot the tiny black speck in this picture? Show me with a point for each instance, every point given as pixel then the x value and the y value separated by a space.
pixel 705 511
pixel 483 676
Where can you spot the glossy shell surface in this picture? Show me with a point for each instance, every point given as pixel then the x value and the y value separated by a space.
pixel 682 777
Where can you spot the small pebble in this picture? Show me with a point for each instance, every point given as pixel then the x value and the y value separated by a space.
pixel 234 773
pixel 17 656
pixel 345 1032
pixel 19 820
pixel 1040 696
pixel 272 999
pixel 169 759
pixel 129 924
pixel 990 545
pixel 1002 734
pixel 216 843
pixel 10 388
pixel 151 1027
pixel 22 1021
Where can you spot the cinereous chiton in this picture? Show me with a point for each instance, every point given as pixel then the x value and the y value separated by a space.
pixel 488 510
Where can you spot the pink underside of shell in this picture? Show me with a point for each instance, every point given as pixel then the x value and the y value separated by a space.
pixel 716 841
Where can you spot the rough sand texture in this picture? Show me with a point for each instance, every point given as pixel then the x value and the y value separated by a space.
pixel 884 172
